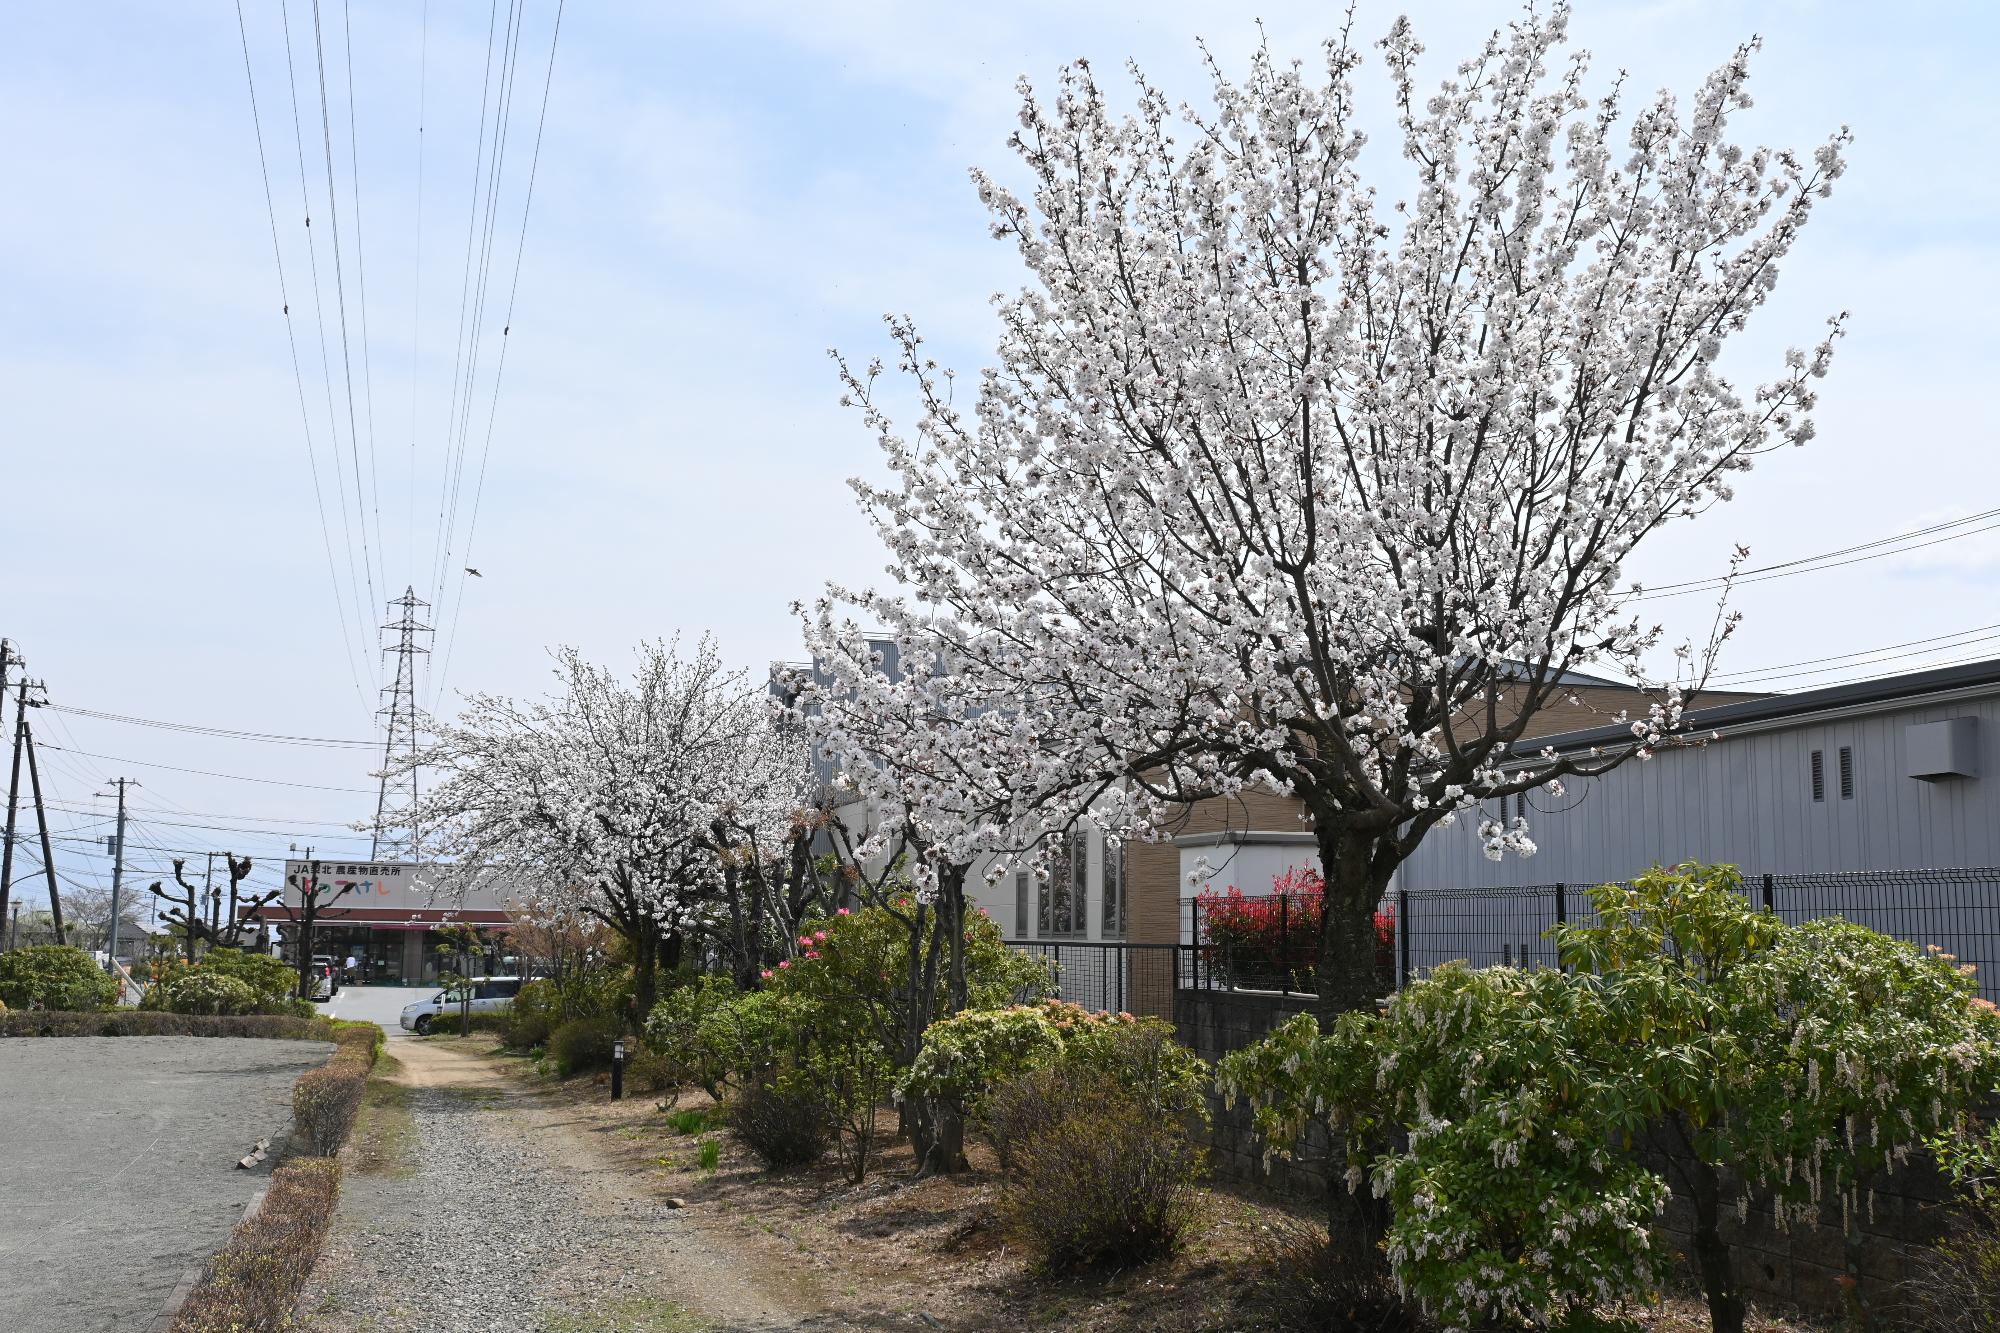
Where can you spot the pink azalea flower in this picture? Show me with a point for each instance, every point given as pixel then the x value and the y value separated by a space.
pixel 820 935
pixel 766 974
pixel 785 964
pixel 843 912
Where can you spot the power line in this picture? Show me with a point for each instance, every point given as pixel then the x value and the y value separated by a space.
pixel 224 732
pixel 361 274
pixel 291 341
pixel 500 369
pixel 340 298
pixel 1814 564
pixel 417 285
pixel 278 832
pixel 208 773
pixel 1961 639
pixel 319 317
pixel 459 429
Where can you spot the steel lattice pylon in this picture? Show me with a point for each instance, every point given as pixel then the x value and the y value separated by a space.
pixel 396 803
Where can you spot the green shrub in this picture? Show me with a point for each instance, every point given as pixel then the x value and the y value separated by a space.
pixel 713 1036
pixel 967 1055
pixel 582 1044
pixel 970 1052
pixel 203 992
pixel 1106 1180
pixel 54 976
pixel 710 1153
pixel 535 1012
pixel 784 1120
pixel 272 982
pixel 1805 1059
pixel 647 1070
pixel 253 1281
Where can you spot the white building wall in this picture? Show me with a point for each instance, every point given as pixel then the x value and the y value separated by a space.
pixel 1747 800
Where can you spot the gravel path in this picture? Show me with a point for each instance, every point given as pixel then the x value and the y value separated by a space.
pixel 119 1167
pixel 504 1218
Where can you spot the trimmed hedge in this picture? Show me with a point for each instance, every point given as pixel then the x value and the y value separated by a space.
pixel 253 1281
pixel 446 1024
pixel 326 1100
pixel 152 1023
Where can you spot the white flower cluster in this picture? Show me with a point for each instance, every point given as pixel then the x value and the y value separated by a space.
pixel 1265 491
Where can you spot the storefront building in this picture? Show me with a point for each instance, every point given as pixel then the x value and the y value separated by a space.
pixel 385 916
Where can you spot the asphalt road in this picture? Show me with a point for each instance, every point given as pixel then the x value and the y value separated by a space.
pixel 118 1167
pixel 382 1005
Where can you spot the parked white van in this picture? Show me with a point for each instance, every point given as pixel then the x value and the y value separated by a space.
pixel 490 995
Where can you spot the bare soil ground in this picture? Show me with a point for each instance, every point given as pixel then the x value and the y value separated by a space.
pixel 892 1252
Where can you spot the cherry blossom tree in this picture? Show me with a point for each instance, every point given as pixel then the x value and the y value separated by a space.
pixel 619 799
pixel 1281 482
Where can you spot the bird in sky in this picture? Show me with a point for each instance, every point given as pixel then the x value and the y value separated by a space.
pixel 475 573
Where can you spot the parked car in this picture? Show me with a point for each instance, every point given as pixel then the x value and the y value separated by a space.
pixel 326 976
pixel 490 995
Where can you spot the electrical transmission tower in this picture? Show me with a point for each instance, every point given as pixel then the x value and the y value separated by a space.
pixel 396 803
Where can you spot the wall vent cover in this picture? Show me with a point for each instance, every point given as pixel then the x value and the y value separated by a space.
pixel 1935 751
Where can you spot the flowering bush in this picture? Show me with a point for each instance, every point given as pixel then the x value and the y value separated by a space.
pixel 1507 1206
pixel 1808 1058
pixel 1273 939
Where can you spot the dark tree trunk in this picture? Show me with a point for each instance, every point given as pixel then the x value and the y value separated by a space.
pixel 1703 1185
pixel 1356 869
pixel 645 986
pixel 951 903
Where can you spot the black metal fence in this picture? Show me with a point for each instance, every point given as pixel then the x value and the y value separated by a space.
pixel 1113 977
pixel 1272 943
pixel 1956 909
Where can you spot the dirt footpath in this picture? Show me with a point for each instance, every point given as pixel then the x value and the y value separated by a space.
pixel 476 1202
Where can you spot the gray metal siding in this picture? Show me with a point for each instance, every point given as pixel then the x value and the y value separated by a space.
pixel 1747 799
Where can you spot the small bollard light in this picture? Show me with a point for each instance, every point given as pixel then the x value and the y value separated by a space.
pixel 617 1070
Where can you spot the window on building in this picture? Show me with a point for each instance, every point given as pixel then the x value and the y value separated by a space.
pixel 1020 904
pixel 1846 772
pixel 1819 775
pixel 1114 889
pixel 1062 897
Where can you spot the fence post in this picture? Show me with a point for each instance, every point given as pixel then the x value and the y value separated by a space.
pixel 1563 913
pixel 1284 944
pixel 1767 893
pixel 1402 938
pixel 1194 941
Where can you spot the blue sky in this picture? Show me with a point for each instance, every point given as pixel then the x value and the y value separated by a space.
pixel 723 194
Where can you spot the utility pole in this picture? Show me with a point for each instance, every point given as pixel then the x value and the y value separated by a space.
pixel 117 875
pixel 42 823
pixel 13 795
pixel 208 890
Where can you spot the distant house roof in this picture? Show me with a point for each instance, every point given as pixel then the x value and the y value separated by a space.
pixel 1778 707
